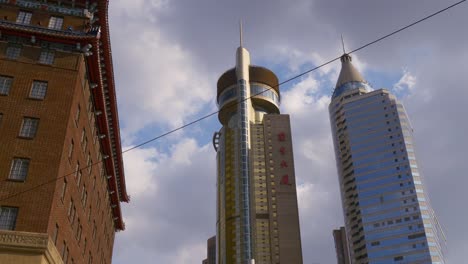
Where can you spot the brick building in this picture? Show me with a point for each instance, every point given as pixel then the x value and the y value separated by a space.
pixel 61 169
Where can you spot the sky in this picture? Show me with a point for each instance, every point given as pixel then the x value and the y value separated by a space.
pixel 168 54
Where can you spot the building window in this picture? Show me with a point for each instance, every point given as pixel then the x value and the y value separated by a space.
pixel 24 17
pixel 13 52
pixel 77 120
pixel 84 195
pixel 70 150
pixel 29 127
pixel 94 230
pixel 84 245
pixel 84 143
pixel 38 90
pixel 65 252
pixel 55 22
pixel 19 169
pixel 64 189
pixel 8 217
pixel 47 57
pixel 89 163
pixel 78 177
pixel 78 230
pixel 5 85
pixel 72 216
pixel 84 140
pixel 55 234
pixel 77 169
pixel 70 208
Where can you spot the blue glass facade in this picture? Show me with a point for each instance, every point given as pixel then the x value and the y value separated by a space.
pixel 387 214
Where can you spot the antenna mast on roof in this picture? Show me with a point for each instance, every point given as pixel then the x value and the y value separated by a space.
pixel 342 43
pixel 240 32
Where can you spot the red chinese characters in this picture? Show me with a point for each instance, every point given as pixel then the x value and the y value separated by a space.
pixel 285 180
pixel 281 136
pixel 284 165
pixel 282 150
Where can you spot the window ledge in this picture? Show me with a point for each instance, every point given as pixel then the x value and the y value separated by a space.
pixel 35 99
pixel 15 180
pixel 27 138
pixel 45 64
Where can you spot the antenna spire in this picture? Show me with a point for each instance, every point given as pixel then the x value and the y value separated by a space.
pixel 342 43
pixel 240 32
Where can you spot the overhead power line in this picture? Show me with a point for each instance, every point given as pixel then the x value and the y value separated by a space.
pixel 214 113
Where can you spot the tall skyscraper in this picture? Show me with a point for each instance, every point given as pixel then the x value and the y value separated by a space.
pixel 387 213
pixel 341 246
pixel 257 213
pixel 61 169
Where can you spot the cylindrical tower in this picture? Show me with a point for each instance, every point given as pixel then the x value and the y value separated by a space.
pixel 245 94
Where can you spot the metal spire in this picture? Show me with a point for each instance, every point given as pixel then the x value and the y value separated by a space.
pixel 342 43
pixel 240 32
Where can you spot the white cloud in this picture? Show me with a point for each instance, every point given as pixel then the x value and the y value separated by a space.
pixel 140 169
pixel 406 82
pixel 303 96
pixel 171 214
pixel 158 79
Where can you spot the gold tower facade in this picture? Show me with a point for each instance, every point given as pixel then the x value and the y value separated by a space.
pixel 257 212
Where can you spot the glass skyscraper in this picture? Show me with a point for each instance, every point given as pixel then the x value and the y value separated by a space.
pixel 387 213
pixel 257 213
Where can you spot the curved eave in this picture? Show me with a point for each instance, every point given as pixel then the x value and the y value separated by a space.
pixel 105 39
pixel 103 124
pixel 108 121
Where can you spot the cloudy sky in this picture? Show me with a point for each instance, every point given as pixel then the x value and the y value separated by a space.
pixel 168 55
